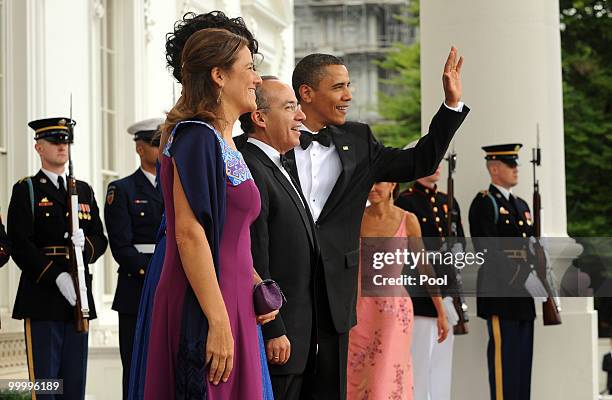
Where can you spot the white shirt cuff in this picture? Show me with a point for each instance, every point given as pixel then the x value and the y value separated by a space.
pixel 459 107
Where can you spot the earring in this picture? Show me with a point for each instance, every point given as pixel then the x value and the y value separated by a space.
pixel 219 98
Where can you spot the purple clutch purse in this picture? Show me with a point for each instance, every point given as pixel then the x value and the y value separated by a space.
pixel 267 297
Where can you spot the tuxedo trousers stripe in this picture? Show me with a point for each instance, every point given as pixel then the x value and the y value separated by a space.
pixel 499 377
pixel 30 355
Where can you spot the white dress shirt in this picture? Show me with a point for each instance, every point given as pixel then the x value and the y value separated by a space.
pixel 274 155
pixel 319 168
pixel 53 178
pixel 150 176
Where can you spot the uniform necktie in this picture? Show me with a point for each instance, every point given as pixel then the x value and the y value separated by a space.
pixel 308 137
pixel 60 184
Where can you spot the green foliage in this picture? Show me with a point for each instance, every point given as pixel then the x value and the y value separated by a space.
pixel 587 101
pixel 400 106
pixel 401 109
pixel 8 395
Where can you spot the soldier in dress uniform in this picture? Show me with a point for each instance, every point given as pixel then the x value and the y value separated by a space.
pixel 132 214
pixel 433 361
pixel 5 247
pixel 38 228
pixel 497 213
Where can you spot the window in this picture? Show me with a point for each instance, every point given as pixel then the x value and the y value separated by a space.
pixel 107 45
pixel 3 49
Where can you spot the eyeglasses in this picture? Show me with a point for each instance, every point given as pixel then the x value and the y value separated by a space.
pixel 289 107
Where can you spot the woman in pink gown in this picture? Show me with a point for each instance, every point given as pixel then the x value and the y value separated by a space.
pixel 379 362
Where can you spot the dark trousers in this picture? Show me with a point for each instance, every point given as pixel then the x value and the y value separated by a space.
pixel 327 379
pixel 509 355
pixel 127 329
pixel 55 350
pixel 286 387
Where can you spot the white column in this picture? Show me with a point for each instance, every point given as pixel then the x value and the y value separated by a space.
pixel 511 81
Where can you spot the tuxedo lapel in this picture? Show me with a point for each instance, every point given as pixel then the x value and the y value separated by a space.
pixel 346 153
pixel 285 184
pixel 293 171
pixel 48 188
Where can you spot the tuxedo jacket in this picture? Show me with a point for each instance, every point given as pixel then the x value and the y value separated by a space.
pixel 366 161
pixel 132 213
pixel 284 248
pixel 38 296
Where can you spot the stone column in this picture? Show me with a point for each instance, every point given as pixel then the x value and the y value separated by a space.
pixel 512 81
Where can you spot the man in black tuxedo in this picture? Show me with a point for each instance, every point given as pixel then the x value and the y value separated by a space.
pixel 337 163
pixel 282 238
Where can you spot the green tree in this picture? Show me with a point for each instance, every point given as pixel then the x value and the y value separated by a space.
pixel 587 104
pixel 400 103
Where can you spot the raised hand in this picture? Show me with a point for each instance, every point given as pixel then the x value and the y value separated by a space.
pixel 451 79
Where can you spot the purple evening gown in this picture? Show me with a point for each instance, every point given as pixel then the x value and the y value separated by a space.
pixel 234 267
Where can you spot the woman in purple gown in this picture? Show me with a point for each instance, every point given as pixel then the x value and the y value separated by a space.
pixel 204 339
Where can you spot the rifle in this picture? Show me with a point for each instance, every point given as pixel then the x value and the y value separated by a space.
pixel 461 328
pixel 550 310
pixel 77 266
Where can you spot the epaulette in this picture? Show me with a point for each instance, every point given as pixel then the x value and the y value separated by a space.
pixel 484 193
pixel 408 192
pixel 24 178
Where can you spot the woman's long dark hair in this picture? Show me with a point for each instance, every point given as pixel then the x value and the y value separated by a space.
pixel 204 50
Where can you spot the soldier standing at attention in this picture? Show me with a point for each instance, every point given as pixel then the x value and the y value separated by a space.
pixel 132 214
pixel 497 213
pixel 432 361
pixel 38 228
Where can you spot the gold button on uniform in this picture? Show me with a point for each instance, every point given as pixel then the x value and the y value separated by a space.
pixel 424 219
pixel 439 229
pixel 433 199
pixel 437 219
pixel 142 214
pixel 141 271
pixel 524 234
pixel 46 214
pixel 521 223
pixel 435 209
pixel 507 221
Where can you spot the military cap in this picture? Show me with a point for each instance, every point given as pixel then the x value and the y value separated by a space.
pixel 506 153
pixel 146 130
pixel 54 130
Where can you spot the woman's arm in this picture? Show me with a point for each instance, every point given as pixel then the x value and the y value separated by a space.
pixel 416 244
pixel 197 261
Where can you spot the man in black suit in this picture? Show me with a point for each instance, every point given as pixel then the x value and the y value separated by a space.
pixel 337 163
pixel 132 214
pixel 282 238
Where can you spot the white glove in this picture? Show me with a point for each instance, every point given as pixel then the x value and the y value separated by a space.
pixel 451 313
pixel 66 287
pixel 78 238
pixel 534 286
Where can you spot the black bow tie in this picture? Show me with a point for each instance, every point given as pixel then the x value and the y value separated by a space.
pixel 308 137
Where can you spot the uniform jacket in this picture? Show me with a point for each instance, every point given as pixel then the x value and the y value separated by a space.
pixel 38 296
pixel 132 214
pixel 431 209
pixel 504 274
pixel 5 247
